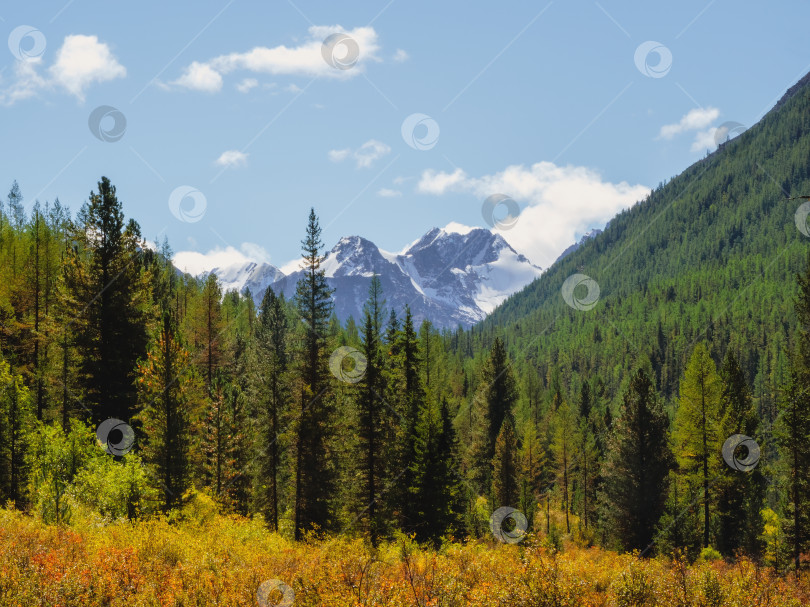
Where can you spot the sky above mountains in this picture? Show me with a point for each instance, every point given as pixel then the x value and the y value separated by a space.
pixel 222 122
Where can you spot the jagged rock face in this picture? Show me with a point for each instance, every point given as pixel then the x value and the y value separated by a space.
pixel 451 277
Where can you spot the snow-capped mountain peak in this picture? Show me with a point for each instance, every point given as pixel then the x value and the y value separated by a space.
pixel 452 276
pixel 253 275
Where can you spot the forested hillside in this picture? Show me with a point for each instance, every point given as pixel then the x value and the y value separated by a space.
pixel 710 255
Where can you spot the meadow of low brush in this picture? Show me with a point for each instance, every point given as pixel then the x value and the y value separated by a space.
pixel 205 558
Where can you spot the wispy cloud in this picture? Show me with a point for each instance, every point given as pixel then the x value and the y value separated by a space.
pixel 365 156
pixel 247 84
pixel 232 158
pixel 695 119
pixel 305 59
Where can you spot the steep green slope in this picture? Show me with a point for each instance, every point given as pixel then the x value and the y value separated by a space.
pixel 710 255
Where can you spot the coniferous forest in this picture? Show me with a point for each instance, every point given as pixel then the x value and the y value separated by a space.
pixel 657 439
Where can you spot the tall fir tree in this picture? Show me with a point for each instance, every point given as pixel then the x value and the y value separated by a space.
pixel 637 467
pixel 741 494
pixel 374 422
pixel 314 474
pixel 170 395
pixel 505 468
pixel 270 388
pixel 793 427
pixel 410 395
pixel 111 299
pixel 494 403
pixel 436 491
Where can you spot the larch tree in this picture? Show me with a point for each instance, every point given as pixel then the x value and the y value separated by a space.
pixel 697 426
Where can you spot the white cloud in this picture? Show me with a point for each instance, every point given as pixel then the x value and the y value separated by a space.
pixel 232 158
pixel 339 155
pixel 365 156
pixel 438 183
pixel 704 140
pixel 389 193
pixel 200 77
pixel 247 84
pixel 695 119
pixel 401 56
pixel 293 88
pixel 80 61
pixel 370 152
pixel 559 202
pixel 195 263
pixel 83 60
pixel 305 59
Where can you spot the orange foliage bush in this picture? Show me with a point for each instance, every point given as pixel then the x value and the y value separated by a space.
pixel 223 560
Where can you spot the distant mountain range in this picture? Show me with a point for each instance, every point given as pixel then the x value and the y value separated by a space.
pixel 452 276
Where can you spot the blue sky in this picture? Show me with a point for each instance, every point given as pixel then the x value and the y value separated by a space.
pixel 232 102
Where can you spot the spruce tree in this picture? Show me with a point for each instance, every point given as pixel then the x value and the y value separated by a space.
pixel 494 403
pixel 410 398
pixel 637 466
pixel 110 297
pixel 741 494
pixel 314 475
pixel 374 417
pixel 505 468
pixel 794 427
pixel 435 495
pixel 169 394
pixel 270 387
